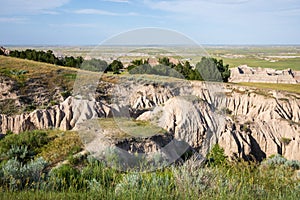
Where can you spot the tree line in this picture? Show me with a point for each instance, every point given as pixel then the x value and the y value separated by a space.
pixel 208 69
pixel 68 61
pixel 47 57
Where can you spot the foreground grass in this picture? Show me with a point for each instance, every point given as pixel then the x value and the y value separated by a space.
pixel 88 178
pixel 234 181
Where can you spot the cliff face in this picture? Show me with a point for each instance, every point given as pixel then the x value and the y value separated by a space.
pixel 248 123
pixel 262 125
pixel 64 116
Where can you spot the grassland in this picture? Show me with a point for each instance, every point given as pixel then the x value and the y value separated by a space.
pixel 293 88
pixel 276 57
pixel 281 63
pixel 123 127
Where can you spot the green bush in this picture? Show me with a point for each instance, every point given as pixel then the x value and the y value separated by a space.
pixel 17 176
pixel 63 178
pixel 216 156
pixel 32 139
pixel 275 160
pixel 20 153
pixel 278 160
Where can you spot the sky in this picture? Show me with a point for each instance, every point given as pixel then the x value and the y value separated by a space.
pixel 89 22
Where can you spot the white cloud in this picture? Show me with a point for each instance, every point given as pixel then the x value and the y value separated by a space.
pixel 103 12
pixel 12 20
pixel 29 6
pixel 95 12
pixel 194 6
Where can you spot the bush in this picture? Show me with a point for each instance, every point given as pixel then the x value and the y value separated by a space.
pixel 216 156
pixel 131 182
pixel 294 164
pixel 33 140
pixel 96 170
pixel 63 178
pixel 20 153
pixel 275 160
pixel 17 175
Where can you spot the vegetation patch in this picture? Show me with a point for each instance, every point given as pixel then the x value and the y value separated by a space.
pixel 293 88
pixel 125 128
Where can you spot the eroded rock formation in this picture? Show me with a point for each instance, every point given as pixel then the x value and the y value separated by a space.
pixel 244 73
pixel 64 116
pixel 247 122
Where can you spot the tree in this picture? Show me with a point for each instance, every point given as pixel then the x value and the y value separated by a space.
pixel 211 69
pixel 115 66
pixel 95 65
pixel 142 69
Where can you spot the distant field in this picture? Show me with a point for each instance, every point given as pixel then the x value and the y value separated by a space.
pixel 276 57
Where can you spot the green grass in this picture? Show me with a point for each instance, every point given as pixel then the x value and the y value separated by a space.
pixel 123 127
pixel 234 181
pixel 292 63
pixel 293 88
pixel 61 145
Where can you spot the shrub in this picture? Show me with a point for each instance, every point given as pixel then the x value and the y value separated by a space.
pixel 96 170
pixel 286 141
pixel 20 153
pixel 63 178
pixel 66 94
pixel 275 160
pixel 131 182
pixel 216 156
pixel 18 176
pixel 32 139
pixel 294 164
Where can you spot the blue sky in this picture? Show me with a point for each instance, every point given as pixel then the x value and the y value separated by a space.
pixel 88 22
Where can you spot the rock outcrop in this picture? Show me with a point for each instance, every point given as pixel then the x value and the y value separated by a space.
pixel 244 73
pixel 248 123
pixel 4 51
pixel 64 116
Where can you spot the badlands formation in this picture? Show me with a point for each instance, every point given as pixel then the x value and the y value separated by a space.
pixel 248 123
pixel 244 73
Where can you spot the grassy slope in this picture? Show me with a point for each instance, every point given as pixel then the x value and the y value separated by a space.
pixel 293 88
pixel 50 73
pixel 64 76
